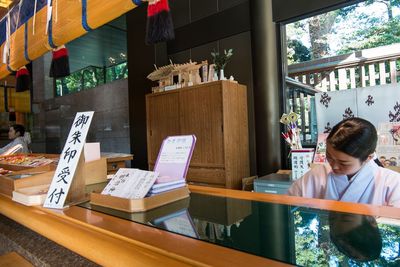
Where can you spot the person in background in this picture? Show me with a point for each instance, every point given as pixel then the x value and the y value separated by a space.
pixel 351 174
pixel 16 133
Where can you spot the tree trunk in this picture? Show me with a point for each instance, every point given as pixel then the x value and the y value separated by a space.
pixel 389 9
pixel 320 28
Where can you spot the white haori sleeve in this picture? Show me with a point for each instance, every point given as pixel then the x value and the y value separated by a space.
pixel 387 188
pixel 312 184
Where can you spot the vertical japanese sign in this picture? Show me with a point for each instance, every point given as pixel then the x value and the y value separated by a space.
pixel 69 159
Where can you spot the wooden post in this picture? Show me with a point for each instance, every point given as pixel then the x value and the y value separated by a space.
pixel 352 78
pixel 372 77
pixel 332 81
pixel 363 77
pixel 393 72
pixel 342 79
pixel 382 73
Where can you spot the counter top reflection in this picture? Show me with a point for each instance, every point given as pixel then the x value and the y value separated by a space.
pixel 292 230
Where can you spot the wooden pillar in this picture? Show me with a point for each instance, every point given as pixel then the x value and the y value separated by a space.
pixel 266 87
pixel 140 63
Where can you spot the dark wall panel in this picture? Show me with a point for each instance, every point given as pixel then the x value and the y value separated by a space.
pixel 287 10
pixel 225 4
pixel 202 8
pixel 203 52
pixel 141 58
pixel 212 28
pixel 180 57
pixel 180 10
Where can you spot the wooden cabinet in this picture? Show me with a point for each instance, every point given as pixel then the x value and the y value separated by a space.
pixel 216 113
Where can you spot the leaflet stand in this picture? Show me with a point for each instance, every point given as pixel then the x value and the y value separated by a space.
pixel 169 164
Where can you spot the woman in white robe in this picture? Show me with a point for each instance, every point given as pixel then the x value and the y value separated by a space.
pixel 351 174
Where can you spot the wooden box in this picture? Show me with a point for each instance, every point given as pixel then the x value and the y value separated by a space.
pixel 95 171
pixel 30 196
pixel 115 161
pixel 20 167
pixel 8 184
pixel 138 205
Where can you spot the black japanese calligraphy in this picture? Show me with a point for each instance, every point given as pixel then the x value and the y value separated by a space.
pixel 75 137
pixel 56 196
pixel 70 154
pixel 64 173
pixel 81 121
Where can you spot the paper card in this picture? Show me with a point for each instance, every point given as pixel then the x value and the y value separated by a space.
pixel 320 151
pixel 301 161
pixel 333 107
pixel 388 148
pixel 388 155
pixel 91 152
pixel 68 162
pixel 130 183
pixel 174 157
pixel 389 134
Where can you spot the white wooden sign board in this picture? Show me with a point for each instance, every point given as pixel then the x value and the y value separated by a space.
pixel 69 159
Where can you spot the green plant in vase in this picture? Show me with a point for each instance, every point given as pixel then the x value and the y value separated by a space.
pixel 220 61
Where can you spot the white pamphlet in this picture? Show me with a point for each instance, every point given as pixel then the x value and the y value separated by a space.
pixel 130 183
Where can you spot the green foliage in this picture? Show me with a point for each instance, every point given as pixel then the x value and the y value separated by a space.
pixel 220 60
pixel 297 52
pixel 345 30
pixel 90 77
pixel 375 36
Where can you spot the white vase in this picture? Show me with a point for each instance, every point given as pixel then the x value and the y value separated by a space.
pixel 215 77
pixel 221 75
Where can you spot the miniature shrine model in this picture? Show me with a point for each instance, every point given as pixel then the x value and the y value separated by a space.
pixel 175 76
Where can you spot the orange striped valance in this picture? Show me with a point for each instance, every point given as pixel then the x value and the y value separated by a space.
pixel 31 34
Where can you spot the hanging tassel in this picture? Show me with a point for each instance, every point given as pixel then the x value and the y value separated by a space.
pixel 23 80
pixel 159 22
pixel 60 63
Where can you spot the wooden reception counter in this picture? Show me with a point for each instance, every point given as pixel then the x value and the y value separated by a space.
pixel 112 241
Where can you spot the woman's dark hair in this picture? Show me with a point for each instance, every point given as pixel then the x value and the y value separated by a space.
pixel 355 137
pixel 19 129
pixel 356 236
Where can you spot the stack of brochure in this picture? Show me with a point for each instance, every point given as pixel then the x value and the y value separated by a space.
pixel 161 187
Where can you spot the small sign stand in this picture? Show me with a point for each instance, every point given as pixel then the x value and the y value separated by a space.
pixel 76 192
pixel 68 183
